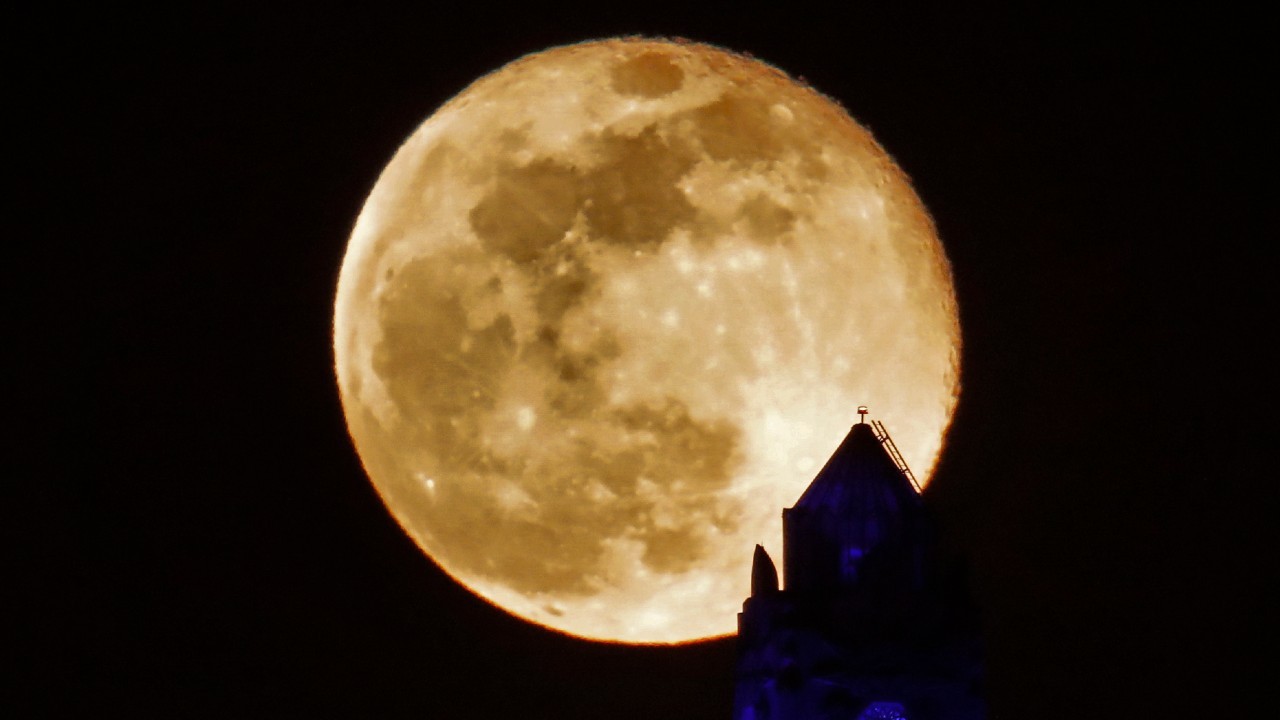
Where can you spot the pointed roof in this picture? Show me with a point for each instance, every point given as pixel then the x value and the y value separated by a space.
pixel 859 481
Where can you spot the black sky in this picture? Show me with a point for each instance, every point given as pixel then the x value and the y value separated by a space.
pixel 194 533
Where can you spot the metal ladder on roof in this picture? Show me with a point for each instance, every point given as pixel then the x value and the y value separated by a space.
pixel 883 436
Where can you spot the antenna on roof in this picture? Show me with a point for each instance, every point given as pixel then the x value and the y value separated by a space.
pixel 862 414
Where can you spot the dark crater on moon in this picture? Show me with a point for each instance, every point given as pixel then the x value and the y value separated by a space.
pixel 649 75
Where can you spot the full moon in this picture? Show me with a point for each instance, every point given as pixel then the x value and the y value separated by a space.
pixel 608 311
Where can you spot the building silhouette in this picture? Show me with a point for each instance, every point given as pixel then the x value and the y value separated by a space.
pixel 873 621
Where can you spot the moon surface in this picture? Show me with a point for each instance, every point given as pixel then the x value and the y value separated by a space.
pixel 609 310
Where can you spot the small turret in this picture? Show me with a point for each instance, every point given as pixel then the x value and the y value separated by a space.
pixel 764 576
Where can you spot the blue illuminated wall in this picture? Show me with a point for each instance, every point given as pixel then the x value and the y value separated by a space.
pixel 870 621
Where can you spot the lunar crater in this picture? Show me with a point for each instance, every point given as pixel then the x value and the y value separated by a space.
pixel 650 75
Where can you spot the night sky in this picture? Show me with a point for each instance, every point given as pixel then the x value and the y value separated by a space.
pixel 195 536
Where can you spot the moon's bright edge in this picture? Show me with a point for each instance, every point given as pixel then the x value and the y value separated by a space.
pixel 608 311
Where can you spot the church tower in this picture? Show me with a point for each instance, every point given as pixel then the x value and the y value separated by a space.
pixel 870 622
